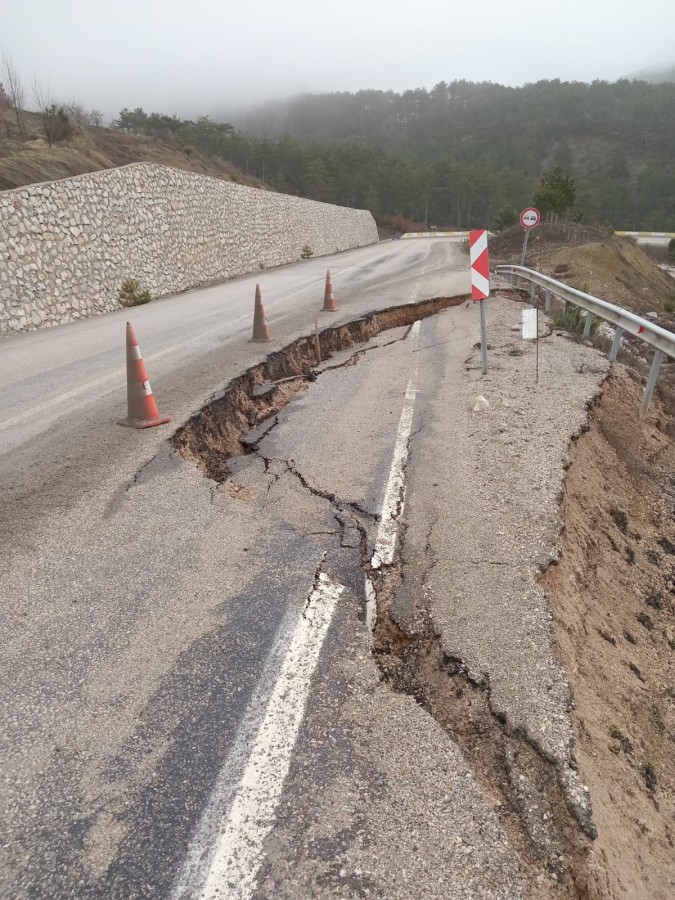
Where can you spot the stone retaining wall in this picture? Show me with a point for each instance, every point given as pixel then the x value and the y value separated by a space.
pixel 66 246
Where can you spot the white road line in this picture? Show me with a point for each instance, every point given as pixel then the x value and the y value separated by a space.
pixel 234 866
pixel 394 495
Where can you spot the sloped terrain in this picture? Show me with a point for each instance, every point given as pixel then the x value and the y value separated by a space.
pixel 616 270
pixel 32 160
pixel 613 597
pixel 595 261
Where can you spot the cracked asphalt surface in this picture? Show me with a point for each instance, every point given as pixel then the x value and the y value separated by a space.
pixel 148 607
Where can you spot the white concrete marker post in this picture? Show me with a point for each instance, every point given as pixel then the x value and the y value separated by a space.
pixel 531 331
pixel 480 282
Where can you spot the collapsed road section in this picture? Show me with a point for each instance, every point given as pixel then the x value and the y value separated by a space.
pixel 215 433
pixel 462 629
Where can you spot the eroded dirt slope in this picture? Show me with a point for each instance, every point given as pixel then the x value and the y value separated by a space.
pixel 615 270
pixel 612 594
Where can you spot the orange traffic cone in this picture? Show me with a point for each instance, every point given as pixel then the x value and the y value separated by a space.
pixel 329 304
pixel 142 410
pixel 260 330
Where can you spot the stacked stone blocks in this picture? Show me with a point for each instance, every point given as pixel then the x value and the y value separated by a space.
pixel 67 246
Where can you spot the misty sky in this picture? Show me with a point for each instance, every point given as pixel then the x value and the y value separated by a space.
pixel 212 56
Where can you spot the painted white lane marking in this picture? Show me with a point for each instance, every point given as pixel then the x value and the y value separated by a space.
pixel 394 495
pixel 233 868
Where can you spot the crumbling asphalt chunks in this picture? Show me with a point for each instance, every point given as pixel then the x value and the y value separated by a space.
pixel 213 434
pixel 551 833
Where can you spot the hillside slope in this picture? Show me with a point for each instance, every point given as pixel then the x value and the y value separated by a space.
pixel 592 260
pixel 471 149
pixel 29 161
pixel 655 74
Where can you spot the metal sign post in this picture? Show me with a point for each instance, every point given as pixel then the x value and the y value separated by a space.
pixel 483 336
pixel 480 283
pixel 524 253
pixel 537 343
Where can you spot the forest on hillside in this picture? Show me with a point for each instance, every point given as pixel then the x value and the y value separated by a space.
pixel 458 155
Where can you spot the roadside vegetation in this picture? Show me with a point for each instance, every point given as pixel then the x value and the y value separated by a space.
pixel 132 294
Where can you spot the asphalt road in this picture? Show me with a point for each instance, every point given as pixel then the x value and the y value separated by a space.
pixel 201 694
pixel 138 619
pixel 63 389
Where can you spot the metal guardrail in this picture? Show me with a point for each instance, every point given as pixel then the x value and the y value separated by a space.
pixel 432 234
pixel 660 339
pixel 654 234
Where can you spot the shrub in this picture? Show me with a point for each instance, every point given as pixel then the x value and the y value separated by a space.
pixel 130 293
pixel 306 252
pixel 400 224
pixel 574 320
pixel 56 126
pixel 506 216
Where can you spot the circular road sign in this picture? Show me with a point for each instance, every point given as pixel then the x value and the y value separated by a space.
pixel 530 217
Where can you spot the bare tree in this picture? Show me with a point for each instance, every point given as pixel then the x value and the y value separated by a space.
pixel 15 91
pixel 56 125
pixel 77 114
pixel 82 119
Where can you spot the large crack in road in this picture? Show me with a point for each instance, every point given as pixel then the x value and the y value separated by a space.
pixel 214 434
pixel 551 833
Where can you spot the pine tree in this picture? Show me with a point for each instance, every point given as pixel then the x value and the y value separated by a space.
pixel 556 193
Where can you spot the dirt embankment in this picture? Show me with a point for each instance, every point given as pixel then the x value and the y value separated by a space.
pixel 613 591
pixel 617 271
pixel 30 161
pixel 595 261
pixel 613 597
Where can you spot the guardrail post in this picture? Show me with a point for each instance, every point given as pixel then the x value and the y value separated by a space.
pixel 651 383
pixel 616 344
pixel 579 303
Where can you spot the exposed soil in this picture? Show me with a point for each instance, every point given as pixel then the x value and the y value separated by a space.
pixel 595 261
pixel 507 246
pixel 552 843
pixel 613 596
pixel 616 270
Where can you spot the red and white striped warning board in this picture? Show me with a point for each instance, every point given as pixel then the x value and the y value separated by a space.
pixel 480 265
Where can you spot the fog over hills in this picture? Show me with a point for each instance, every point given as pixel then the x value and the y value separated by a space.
pixel 655 74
